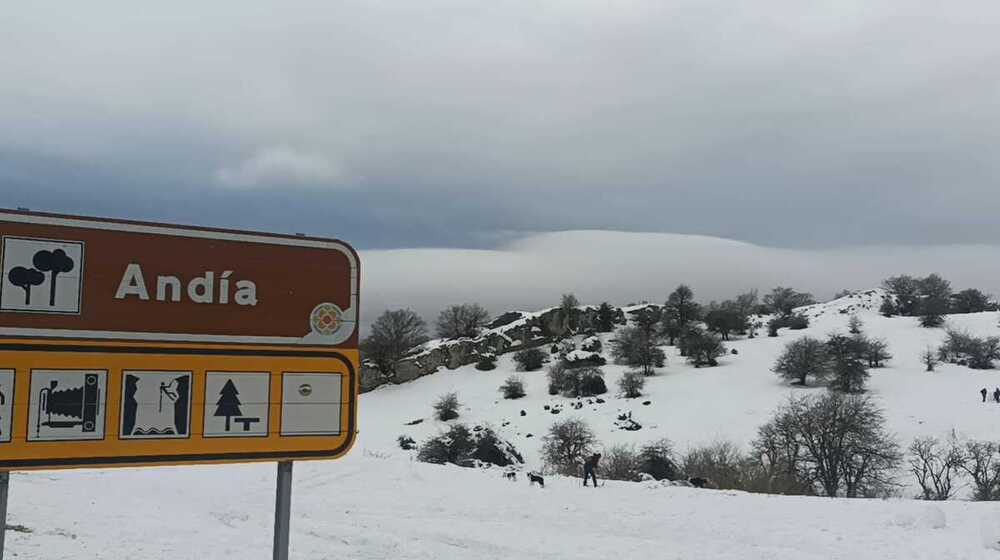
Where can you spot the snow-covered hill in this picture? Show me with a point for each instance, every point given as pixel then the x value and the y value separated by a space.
pixel 379 502
pixel 697 406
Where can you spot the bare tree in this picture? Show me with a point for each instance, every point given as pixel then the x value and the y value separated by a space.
pixel 970 301
pixel 392 335
pixel 783 301
pixel 802 358
pixel 935 300
pixel 846 364
pixel 720 462
pixel 780 458
pixel 556 374
pixel 929 358
pixel 605 318
pixel 656 459
pixel 631 384
pixel 679 312
pixel 935 468
pixel 530 359
pixel 982 463
pixel 454 446
pixel 460 321
pixel 620 462
pixel 647 319
pixel 888 307
pixel 906 293
pixel 725 318
pixel 875 351
pixel 566 444
pixel 854 325
pixel 636 347
pixel 838 441
pixel 703 348
pixel 513 387
pixel 446 407
pixel 568 309
pixel 748 303
pixel 584 381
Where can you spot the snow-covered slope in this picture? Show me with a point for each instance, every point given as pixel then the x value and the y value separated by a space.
pixel 366 507
pixel 696 406
pixel 379 502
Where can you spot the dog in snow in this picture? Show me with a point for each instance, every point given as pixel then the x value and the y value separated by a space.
pixel 535 477
pixel 510 475
pixel 698 482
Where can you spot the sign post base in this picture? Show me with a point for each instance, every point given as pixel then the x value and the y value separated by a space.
pixel 4 492
pixel 282 510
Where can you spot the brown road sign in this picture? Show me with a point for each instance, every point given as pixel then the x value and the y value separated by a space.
pixel 125 343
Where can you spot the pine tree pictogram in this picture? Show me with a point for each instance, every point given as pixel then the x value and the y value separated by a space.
pixel 229 403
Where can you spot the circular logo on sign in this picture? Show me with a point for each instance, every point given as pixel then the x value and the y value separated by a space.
pixel 325 319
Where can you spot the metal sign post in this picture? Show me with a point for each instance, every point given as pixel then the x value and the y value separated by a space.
pixel 282 511
pixel 4 491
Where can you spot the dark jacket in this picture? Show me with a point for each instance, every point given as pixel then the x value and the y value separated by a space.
pixel 591 462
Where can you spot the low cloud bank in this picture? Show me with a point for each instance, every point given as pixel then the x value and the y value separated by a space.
pixel 622 267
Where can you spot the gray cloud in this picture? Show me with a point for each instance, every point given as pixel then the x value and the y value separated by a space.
pixel 280 164
pixel 447 123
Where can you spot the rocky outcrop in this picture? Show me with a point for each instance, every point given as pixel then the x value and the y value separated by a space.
pixel 509 332
pixel 371 377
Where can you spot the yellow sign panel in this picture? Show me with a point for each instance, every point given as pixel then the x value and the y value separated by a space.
pixel 100 405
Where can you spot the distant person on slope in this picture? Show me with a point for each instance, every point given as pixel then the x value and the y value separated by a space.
pixel 589 466
pixel 983 393
pixel 996 395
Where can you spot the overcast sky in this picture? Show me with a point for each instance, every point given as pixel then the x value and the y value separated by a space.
pixel 468 124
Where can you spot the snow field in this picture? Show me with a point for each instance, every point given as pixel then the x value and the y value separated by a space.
pixel 369 507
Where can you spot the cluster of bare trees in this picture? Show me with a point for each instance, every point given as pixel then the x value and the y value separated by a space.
pixel 570 441
pixel 575 381
pixel 398 331
pixel 962 348
pixel 841 360
pixel 834 443
pixel 697 330
pixel 461 321
pixel 931 298
pixel 941 468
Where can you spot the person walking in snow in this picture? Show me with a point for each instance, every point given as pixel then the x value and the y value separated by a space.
pixel 983 393
pixel 996 395
pixel 589 466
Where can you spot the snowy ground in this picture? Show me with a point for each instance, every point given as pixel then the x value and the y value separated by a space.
pixel 379 503
pixel 367 507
